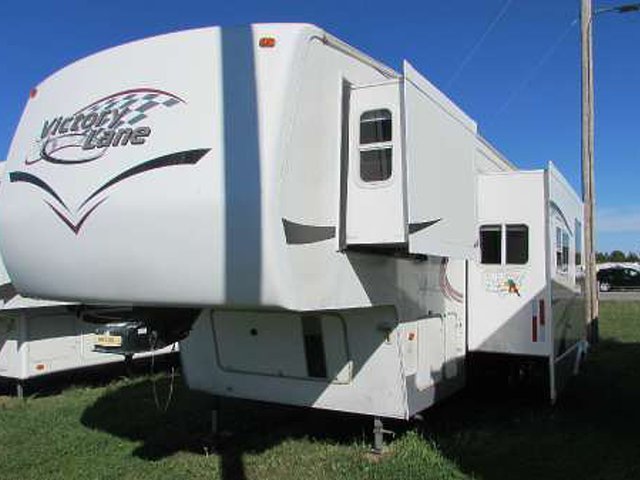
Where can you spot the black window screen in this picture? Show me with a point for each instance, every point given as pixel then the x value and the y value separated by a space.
pixel 375 165
pixel 375 126
pixel 517 244
pixel 491 244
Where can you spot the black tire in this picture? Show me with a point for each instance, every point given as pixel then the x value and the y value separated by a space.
pixel 604 286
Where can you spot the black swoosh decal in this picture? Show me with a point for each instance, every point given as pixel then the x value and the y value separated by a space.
pixel 15 177
pixel 299 234
pixel 416 227
pixel 75 228
pixel 188 157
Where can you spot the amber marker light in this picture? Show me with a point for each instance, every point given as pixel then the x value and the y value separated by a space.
pixel 267 42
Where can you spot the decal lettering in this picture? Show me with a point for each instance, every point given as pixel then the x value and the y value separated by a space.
pixel 105 139
pixel 89 120
pixel 122 137
pixel 89 142
pixel 117 117
pixel 139 135
pixel 64 125
pixel 77 119
pixel 48 125
pixel 118 120
pixel 102 117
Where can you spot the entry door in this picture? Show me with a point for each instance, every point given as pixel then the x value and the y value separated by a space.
pixel 375 180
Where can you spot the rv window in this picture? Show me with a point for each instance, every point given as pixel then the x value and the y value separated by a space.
pixel 375 165
pixel 562 250
pixel 517 244
pixel 491 244
pixel 565 252
pixel 558 249
pixel 375 126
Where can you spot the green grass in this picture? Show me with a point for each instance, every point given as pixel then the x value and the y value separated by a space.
pixel 115 431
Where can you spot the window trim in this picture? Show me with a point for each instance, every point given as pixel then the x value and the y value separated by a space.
pixel 503 227
pixel 492 227
pixel 506 246
pixel 372 146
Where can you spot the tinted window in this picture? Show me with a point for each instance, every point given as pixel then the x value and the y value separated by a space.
pixel 562 250
pixel 491 244
pixel 517 244
pixel 565 251
pixel 375 165
pixel 375 126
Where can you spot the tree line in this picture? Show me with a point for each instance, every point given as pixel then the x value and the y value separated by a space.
pixel 616 256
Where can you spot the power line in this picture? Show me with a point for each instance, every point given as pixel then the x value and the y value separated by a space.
pixel 479 43
pixel 534 71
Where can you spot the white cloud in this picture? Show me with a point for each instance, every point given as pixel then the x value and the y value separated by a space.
pixel 618 220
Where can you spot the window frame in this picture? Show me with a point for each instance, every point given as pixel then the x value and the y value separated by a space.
pixel 562 251
pixel 506 248
pixel 382 145
pixel 492 227
pixel 503 229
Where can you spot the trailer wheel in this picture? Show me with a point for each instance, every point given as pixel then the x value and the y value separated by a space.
pixel 604 286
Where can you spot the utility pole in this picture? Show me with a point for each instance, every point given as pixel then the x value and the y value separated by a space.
pixel 592 307
pixel 588 190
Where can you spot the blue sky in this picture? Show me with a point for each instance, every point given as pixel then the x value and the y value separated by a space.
pixel 520 83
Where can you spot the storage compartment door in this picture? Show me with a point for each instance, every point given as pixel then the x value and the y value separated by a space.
pixel 283 344
pixel 431 352
pixel 375 179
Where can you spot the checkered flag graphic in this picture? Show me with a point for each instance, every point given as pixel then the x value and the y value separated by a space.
pixel 137 103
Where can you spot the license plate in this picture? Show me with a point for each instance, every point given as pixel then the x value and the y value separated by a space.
pixel 108 341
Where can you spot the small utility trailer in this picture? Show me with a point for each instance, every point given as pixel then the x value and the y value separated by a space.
pixel 303 215
pixel 40 338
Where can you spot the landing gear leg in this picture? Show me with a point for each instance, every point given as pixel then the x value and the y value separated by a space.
pixel 20 389
pixel 378 435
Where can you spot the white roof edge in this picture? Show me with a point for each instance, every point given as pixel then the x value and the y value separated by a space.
pixel 497 152
pixel 555 171
pixel 513 172
pixel 419 81
pixel 344 47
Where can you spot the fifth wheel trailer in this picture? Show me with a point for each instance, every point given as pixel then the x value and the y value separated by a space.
pixel 304 211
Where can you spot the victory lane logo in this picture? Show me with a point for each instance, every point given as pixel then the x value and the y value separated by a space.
pixel 112 121
pixel 85 136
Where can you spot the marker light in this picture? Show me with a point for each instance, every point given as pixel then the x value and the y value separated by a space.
pixel 267 42
pixel 33 92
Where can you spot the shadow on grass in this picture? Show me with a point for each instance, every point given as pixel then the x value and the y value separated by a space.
pixel 593 431
pixel 244 426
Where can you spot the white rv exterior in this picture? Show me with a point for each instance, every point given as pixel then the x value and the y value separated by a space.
pixel 295 191
pixel 525 287
pixel 42 337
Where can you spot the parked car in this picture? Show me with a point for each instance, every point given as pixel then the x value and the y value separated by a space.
pixel 618 277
